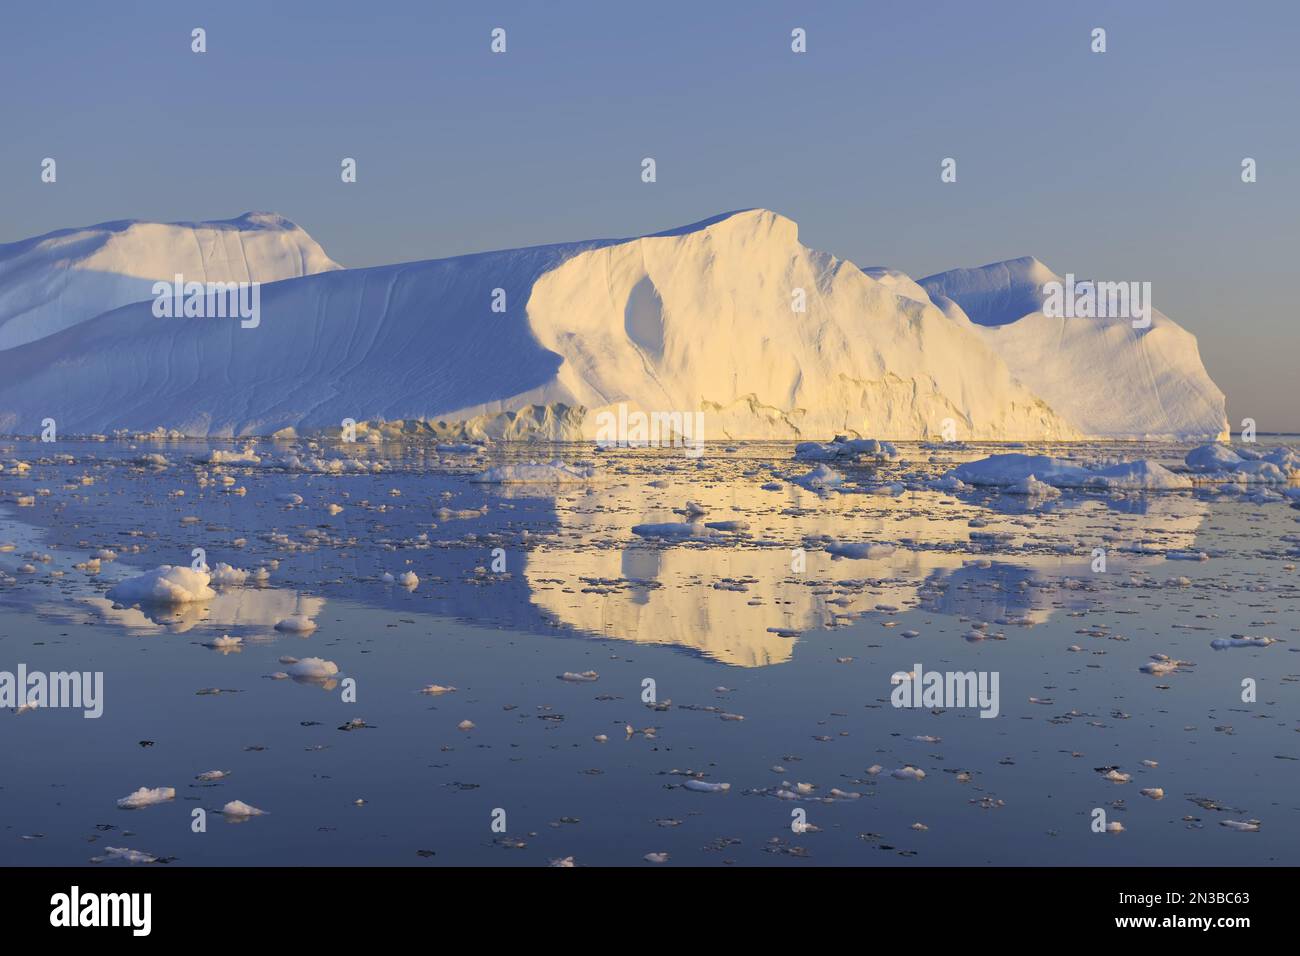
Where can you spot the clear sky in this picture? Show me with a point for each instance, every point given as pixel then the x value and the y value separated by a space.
pixel 1122 165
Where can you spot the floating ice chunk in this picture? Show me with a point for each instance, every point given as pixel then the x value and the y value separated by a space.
pixel 844 448
pixel 409 580
pixel 436 690
pixel 584 677
pixel 465 725
pixel 124 854
pixel 908 773
pixel 241 810
pixel 164 585
pixel 1155 793
pixel 296 624
pixel 1161 664
pixel 1115 776
pixel 679 530
pixel 225 643
pixel 552 472
pixel 1031 487
pixel 821 478
pixel 310 668
pixel 1241 640
pixel 1244 826
pixel 387 578
pixel 865 550
pixel 289 498
pixel 145 797
pixel 225 576
pixel 729 526
pixel 210 775
pixel 656 858
pixel 1114 827
pixel 219 456
pixel 704 786
pixel 1010 469
pixel 1212 458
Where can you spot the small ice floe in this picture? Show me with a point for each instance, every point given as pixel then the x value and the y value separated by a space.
pixel 408 580
pixel 584 677
pixel 676 530
pixel 860 550
pixel 1114 827
pixel 927 739
pixel 1241 640
pixel 1031 487
pixel 1155 793
pixel 907 773
pixel 225 643
pixel 124 855
pixel 656 858
pixel 208 776
pixel 554 472
pixel 165 584
pixel 1243 826
pixel 705 786
pixel 239 810
pixel 731 527
pixel 145 797
pixel 1162 664
pixel 693 509
pixel 1114 775
pixel 296 624
pixel 601 738
pixel 225 576
pixel 289 498
pixel 387 578
pixel 564 862
pixel 333 509
pixel 465 725
pixel 310 668
pixel 841 448
pixel 1008 470
pixel 435 690
pixel 821 478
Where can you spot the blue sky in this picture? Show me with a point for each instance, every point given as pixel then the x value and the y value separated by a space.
pixel 1122 165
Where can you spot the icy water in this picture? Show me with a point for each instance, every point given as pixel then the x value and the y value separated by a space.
pixel 728 627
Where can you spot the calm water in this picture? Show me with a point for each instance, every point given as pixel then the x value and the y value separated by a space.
pixel 730 625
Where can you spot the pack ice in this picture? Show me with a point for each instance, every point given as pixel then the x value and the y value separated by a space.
pixel 703 318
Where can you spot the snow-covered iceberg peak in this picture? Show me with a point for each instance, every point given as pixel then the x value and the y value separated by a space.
pixel 1106 378
pixel 54 281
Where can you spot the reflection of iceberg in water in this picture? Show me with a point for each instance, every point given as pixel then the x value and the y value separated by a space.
pixel 995 591
pixel 740 602
pixel 738 596
pixel 239 607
